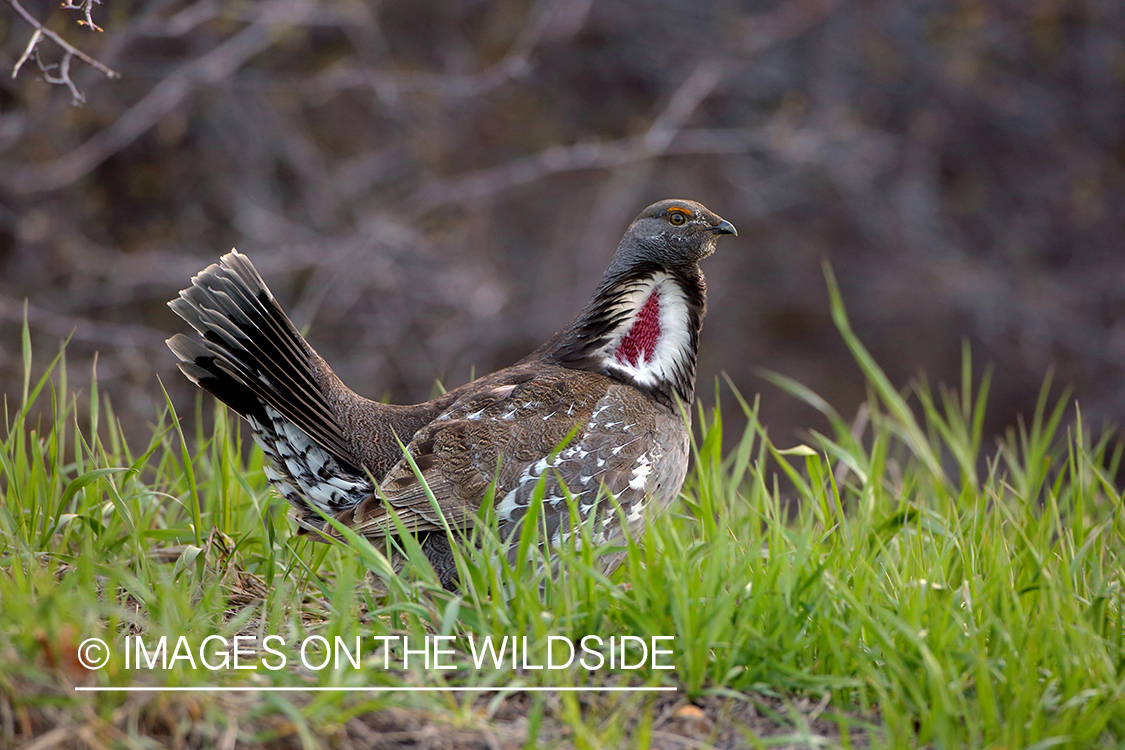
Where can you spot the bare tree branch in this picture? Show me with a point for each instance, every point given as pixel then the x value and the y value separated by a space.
pixel 581 156
pixel 88 7
pixel 766 31
pixel 787 21
pixel 63 325
pixel 164 97
pixel 435 184
pixel 563 17
pixel 27 52
pixel 69 50
pixel 624 186
pixel 687 98
pixel 63 78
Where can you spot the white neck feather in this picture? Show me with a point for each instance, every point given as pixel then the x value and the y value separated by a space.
pixel 649 360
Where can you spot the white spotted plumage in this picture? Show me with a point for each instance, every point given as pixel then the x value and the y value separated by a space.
pixel 613 384
pixel 303 472
pixel 591 472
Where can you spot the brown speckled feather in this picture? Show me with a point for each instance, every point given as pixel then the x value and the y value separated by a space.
pixel 494 432
pixel 594 413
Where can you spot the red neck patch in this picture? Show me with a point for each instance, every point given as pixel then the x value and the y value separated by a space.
pixel 639 345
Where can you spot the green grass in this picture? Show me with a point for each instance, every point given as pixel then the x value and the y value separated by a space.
pixel 916 583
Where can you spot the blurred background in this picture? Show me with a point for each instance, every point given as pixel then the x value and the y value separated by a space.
pixel 433 188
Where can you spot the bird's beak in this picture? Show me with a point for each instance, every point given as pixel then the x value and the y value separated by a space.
pixel 724 227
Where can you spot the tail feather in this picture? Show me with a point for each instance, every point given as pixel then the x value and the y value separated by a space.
pixel 202 366
pixel 252 357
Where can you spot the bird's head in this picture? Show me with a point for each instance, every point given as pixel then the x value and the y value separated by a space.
pixel 672 234
pixel 642 324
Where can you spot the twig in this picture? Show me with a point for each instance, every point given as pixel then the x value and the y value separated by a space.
pixel 81 328
pixel 666 136
pixel 86 5
pixel 788 21
pixel 567 15
pixel 63 78
pixel 67 46
pixel 28 50
pixel 687 98
pixel 583 156
pixel 216 65
pixel 626 182
pixel 69 50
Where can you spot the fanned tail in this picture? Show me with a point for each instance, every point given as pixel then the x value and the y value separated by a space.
pixel 253 359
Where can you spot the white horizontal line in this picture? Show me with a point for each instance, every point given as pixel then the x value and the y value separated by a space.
pixel 369 689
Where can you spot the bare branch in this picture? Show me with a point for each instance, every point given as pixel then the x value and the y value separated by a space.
pixel 67 46
pixel 27 51
pixel 80 327
pixel 583 156
pixel 662 138
pixel 164 97
pixel 563 17
pixel 63 78
pixel 626 183
pixel 788 21
pixel 88 7
pixel 687 98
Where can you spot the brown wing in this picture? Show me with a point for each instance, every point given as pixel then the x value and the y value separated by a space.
pixel 631 453
pixel 495 432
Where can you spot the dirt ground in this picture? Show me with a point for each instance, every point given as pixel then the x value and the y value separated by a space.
pixel 237 719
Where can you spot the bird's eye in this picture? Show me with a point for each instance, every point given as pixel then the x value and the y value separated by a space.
pixel 677 217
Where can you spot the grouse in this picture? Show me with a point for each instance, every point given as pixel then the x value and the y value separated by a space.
pixel 594 413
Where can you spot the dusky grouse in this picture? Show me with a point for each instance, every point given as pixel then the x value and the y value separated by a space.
pixel 613 382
